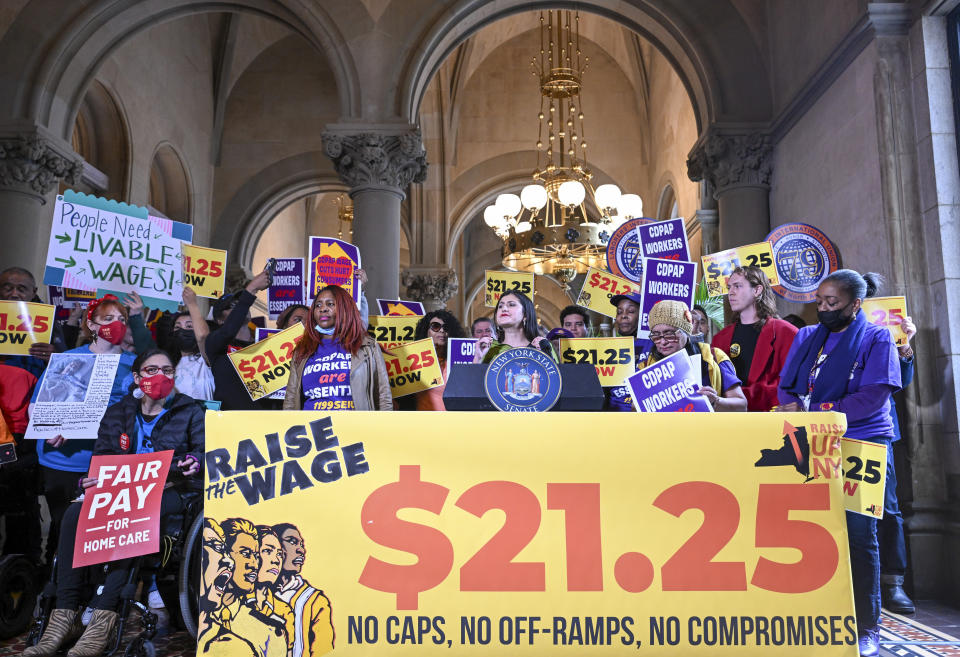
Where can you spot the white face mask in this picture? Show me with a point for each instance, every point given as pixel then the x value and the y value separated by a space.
pixel 324 331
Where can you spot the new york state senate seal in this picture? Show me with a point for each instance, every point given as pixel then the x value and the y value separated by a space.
pixel 523 380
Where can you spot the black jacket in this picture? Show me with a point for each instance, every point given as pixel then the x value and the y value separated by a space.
pixel 181 429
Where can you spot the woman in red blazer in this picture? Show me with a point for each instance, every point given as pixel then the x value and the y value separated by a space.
pixel 758 340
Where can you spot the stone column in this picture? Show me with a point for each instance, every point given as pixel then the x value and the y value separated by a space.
pixel 431 286
pixel 378 166
pixel 31 166
pixel 738 168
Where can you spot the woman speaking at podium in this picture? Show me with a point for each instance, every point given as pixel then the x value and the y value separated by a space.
pixel 336 365
pixel 516 320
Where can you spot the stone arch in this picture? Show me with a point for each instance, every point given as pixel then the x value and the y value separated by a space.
pixel 716 73
pixel 666 202
pixel 171 190
pixel 101 136
pixel 60 69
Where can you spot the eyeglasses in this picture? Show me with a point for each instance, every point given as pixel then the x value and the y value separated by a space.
pixel 666 336
pixel 152 370
pixel 436 327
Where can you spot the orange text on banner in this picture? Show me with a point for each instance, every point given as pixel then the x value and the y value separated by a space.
pixel 22 324
pixel 499 282
pixel 889 312
pixel 612 357
pixel 413 367
pixel 599 287
pixel 204 270
pixel 392 330
pixel 717 267
pixel 264 366
pixel 508 534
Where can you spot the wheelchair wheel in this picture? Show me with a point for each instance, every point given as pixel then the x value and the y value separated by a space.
pixel 189 577
pixel 141 647
pixel 18 595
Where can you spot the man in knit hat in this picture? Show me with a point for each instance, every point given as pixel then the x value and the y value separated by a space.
pixel 670 326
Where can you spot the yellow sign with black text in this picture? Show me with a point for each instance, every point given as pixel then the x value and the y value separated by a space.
pixel 413 367
pixel 612 357
pixel 393 330
pixel 204 270
pixel 599 287
pixel 888 312
pixel 22 324
pixel 864 476
pixel 264 366
pixel 717 267
pixel 508 534
pixel 499 282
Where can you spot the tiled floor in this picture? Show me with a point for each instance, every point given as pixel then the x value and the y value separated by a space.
pixel 933 632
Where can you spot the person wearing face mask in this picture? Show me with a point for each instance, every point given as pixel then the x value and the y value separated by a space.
pixel 846 364
pixel 438 325
pixel 758 340
pixel 516 319
pixel 152 418
pixel 194 377
pixel 336 365
pixel 61 460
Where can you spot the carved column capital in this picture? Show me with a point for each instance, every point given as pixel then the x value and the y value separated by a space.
pixel 31 164
pixel 731 160
pixel 377 159
pixel 431 286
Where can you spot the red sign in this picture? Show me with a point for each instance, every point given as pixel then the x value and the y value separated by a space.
pixel 120 517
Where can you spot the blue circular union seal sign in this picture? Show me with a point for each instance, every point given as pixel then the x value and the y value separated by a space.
pixel 624 254
pixel 522 380
pixel 804 256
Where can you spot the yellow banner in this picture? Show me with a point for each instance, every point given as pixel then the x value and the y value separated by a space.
pixel 599 287
pixel 22 324
pixel 264 366
pixel 717 267
pixel 413 367
pixel 204 270
pixel 392 330
pixel 500 282
pixel 865 476
pixel 502 533
pixel 612 357
pixel 889 312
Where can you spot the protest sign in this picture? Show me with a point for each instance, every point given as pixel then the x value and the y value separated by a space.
pixel 73 396
pixel 333 262
pixel 669 385
pixel 204 270
pixel 666 279
pixel 624 251
pixel 626 547
pixel 264 366
pixel 888 312
pixel 286 289
pixel 106 246
pixel 392 331
pixel 460 351
pixel 501 281
pixel 397 308
pixel 803 256
pixel 864 476
pixel 666 240
pixel 599 287
pixel 22 324
pixel 120 516
pixel 717 267
pixel 73 298
pixel 259 335
pixel 413 367
pixel 612 357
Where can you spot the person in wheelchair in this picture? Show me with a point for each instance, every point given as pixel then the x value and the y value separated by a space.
pixel 152 417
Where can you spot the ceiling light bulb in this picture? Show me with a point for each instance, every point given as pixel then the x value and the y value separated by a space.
pixel 524 226
pixel 571 193
pixel 492 216
pixel 509 205
pixel 607 197
pixel 630 206
pixel 533 197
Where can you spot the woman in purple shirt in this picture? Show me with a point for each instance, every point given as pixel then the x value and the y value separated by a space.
pixel 846 364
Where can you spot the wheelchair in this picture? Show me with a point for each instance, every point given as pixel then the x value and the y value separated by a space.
pixel 176 570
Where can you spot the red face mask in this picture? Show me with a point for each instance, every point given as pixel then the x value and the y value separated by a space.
pixel 157 386
pixel 113 332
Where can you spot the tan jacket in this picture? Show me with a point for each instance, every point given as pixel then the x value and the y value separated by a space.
pixel 369 383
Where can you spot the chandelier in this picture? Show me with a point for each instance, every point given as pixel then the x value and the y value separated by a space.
pixel 547 229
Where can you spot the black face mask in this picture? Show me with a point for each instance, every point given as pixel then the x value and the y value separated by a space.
pixel 834 320
pixel 186 340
